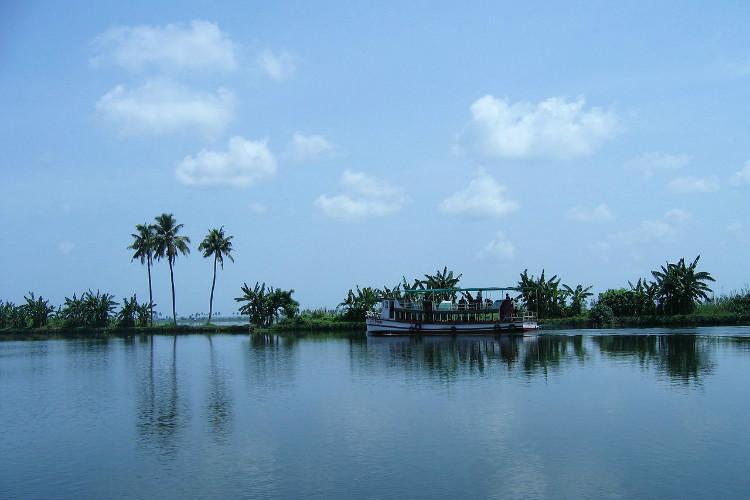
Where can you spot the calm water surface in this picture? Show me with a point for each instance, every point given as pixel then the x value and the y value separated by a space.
pixel 611 414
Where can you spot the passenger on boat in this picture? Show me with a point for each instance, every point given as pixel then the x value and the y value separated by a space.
pixel 506 309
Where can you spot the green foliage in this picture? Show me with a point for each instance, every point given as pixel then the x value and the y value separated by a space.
pixel 168 244
pixel 680 287
pixel 677 289
pixel 391 293
pixel 144 314
pixel 619 301
pixel 36 311
pixel 441 279
pixel 319 314
pixel 734 303
pixel 218 245
pixel 639 300
pixel 93 310
pixel 545 296
pixel 133 314
pixel 643 297
pixel 357 305
pixel 264 305
pixel 578 296
pixel 12 316
pixel 144 244
pixel 321 320
pixel 602 315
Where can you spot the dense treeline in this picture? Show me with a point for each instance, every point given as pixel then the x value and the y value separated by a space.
pixel 89 310
pixel 160 240
pixel 674 289
pixel 546 296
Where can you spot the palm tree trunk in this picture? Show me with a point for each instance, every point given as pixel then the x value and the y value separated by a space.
pixel 211 300
pixel 150 294
pixel 174 309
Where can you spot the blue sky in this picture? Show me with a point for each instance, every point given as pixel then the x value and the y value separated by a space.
pixel 353 143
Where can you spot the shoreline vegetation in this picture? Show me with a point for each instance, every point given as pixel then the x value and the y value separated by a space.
pixel 676 295
pixel 306 326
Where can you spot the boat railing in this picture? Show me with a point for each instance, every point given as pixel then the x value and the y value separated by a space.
pixel 457 307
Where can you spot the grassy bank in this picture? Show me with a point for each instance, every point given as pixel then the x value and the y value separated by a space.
pixel 306 324
pixel 678 320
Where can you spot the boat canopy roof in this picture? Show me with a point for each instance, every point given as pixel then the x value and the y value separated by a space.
pixel 480 289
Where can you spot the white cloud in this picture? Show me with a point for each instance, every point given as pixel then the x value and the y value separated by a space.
pixel 199 45
pixel 499 247
pixel 652 162
pixel 305 148
pixel 665 228
pixel 278 66
pixel 244 163
pixel 483 196
pixel 554 127
pixel 361 183
pixel 162 107
pixel 599 213
pixel 66 247
pixel 742 176
pixel 363 196
pixel 686 185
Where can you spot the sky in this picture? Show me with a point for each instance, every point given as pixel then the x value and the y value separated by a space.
pixel 352 143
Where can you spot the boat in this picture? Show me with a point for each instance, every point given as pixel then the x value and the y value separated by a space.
pixel 450 311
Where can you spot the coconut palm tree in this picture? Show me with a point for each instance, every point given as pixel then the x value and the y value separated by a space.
pixel 144 244
pixel 169 244
pixel 219 245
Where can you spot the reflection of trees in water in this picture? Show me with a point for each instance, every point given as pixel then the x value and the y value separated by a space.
pixel 547 352
pixel 640 347
pixel 738 344
pixel 219 406
pixel 159 416
pixel 269 363
pixel 579 347
pixel 684 358
pixel 91 354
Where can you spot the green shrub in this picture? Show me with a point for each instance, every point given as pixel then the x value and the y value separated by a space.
pixel 602 315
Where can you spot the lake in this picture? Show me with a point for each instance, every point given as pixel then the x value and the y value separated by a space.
pixel 571 414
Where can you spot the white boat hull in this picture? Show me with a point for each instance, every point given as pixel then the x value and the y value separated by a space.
pixel 378 326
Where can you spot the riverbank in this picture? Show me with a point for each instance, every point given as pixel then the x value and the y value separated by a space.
pixel 676 321
pixel 56 332
pixel 303 324
pixel 313 326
